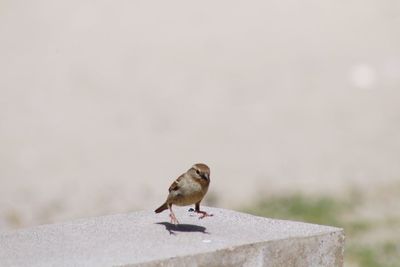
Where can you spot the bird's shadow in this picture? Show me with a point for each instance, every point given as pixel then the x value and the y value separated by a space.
pixel 172 228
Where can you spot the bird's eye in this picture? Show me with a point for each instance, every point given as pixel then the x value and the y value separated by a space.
pixel 198 172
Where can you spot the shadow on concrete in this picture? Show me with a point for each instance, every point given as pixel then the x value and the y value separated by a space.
pixel 172 228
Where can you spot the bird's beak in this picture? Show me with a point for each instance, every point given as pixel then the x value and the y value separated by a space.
pixel 206 176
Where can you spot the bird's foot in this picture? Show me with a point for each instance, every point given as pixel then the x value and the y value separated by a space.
pixel 174 220
pixel 204 214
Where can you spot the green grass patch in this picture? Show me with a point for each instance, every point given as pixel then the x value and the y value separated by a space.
pixel 335 212
pixel 323 210
pixel 385 254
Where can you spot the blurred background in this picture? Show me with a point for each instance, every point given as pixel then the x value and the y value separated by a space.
pixel 293 104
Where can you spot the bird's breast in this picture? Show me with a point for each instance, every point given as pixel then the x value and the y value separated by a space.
pixel 189 192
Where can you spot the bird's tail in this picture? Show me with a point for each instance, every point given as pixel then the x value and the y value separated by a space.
pixel 162 208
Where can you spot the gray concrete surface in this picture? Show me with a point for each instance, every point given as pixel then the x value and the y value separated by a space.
pixel 228 238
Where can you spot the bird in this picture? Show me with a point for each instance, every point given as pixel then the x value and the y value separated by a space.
pixel 189 188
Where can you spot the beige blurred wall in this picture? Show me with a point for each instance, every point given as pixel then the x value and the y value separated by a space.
pixel 104 103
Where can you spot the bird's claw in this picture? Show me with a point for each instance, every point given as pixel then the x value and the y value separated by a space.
pixel 204 214
pixel 174 220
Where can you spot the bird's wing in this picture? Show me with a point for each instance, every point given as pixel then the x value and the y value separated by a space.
pixel 175 185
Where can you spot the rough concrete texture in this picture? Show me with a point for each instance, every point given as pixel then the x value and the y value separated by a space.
pixel 143 238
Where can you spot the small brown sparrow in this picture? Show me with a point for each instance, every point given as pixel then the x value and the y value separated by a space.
pixel 187 189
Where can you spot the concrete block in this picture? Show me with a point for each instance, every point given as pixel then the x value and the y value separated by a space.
pixel 144 238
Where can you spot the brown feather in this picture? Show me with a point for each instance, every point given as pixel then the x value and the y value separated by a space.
pixel 161 208
pixel 175 185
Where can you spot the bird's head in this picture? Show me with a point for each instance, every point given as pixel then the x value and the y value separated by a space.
pixel 201 171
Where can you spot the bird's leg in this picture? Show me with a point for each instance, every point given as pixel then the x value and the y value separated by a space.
pixel 203 213
pixel 174 220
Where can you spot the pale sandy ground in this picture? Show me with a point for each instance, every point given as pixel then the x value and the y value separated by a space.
pixel 104 103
